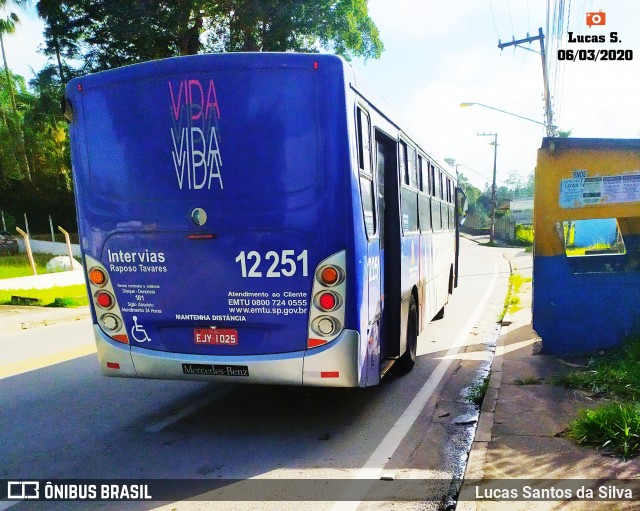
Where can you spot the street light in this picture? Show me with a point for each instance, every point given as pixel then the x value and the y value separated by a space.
pixel 466 104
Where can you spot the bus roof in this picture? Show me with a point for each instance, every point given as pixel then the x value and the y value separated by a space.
pixel 352 77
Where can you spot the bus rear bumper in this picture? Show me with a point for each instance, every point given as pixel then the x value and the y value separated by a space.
pixel 332 365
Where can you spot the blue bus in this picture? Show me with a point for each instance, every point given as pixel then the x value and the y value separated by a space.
pixel 256 218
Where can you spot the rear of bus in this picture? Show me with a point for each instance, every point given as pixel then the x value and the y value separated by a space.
pixel 213 198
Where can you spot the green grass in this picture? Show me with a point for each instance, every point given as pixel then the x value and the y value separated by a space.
pixel 475 393
pixel 516 280
pixel 524 235
pixel 573 251
pixel 616 425
pixel 617 373
pixel 18 265
pixel 529 380
pixel 511 301
pixel 514 304
pixel 64 296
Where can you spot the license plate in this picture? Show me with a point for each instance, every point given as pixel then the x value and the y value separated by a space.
pixel 217 336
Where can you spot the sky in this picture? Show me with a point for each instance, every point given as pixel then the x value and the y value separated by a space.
pixel 439 54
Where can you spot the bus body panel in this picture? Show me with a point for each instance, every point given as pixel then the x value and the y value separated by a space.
pixel 206 288
pixel 334 365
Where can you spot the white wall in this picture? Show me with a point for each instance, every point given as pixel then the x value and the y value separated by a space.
pixel 49 247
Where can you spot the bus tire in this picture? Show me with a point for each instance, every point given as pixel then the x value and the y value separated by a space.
pixel 408 359
pixel 440 314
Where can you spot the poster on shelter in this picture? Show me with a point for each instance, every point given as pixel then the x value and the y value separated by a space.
pixel 578 192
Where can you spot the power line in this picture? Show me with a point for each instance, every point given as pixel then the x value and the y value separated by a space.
pixel 475 172
pixel 494 19
pixel 510 18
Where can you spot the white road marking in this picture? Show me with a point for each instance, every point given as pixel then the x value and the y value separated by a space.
pixel 374 466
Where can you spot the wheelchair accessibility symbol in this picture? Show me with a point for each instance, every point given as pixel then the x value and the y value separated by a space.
pixel 138 332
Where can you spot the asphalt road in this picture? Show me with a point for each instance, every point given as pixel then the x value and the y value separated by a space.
pixel 63 420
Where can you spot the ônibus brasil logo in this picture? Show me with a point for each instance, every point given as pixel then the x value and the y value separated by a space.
pixel 195 134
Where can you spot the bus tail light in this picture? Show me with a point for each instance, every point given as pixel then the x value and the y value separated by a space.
pixel 330 275
pixel 104 302
pixel 104 299
pixel 97 277
pixel 328 301
pixel 327 312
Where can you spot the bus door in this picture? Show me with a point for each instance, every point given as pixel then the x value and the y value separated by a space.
pixel 373 228
pixel 388 207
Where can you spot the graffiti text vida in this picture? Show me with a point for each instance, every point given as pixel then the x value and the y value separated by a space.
pixel 195 134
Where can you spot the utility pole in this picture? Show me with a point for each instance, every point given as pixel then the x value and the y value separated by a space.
pixel 492 232
pixel 548 113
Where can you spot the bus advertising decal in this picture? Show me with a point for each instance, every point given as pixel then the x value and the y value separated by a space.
pixel 195 135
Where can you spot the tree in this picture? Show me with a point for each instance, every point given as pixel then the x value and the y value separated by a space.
pixel 8 26
pixel 47 149
pixel 110 33
pixel 343 26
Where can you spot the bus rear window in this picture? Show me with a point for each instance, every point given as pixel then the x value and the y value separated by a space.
pixel 204 133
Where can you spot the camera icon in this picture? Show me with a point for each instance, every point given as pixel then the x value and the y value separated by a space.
pixel 596 18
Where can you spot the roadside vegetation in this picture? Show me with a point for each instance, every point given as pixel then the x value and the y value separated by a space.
pixel 512 301
pixel 615 378
pixel 529 380
pixel 12 266
pixel 524 235
pixel 573 251
pixel 475 394
pixel 64 296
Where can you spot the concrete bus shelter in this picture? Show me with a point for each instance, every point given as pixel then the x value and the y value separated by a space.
pixel 586 267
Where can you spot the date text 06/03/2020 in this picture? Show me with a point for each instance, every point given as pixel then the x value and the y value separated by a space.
pixel 592 54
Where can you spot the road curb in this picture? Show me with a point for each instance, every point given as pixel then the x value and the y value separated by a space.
pixel 22 323
pixel 478 452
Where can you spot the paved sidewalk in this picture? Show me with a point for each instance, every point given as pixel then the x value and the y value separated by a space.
pixel 14 318
pixel 523 417
pixel 44 281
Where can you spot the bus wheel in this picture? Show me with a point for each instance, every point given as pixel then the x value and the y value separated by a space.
pixel 408 360
pixel 440 314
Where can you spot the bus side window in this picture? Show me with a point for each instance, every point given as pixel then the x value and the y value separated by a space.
pixel 432 180
pixel 366 177
pixel 424 203
pixel 404 168
pixel 423 172
pixel 364 142
pixel 412 168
